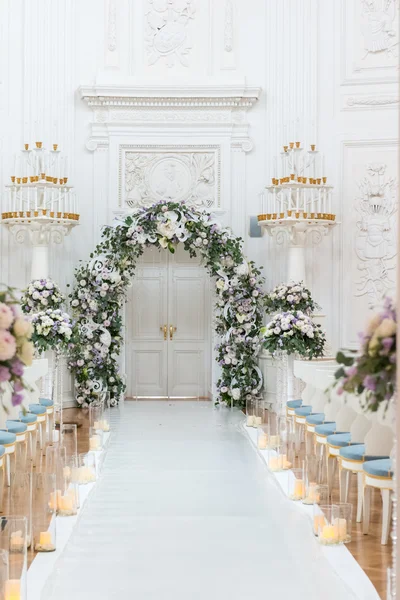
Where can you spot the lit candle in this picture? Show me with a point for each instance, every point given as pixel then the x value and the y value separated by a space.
pixel 340 526
pixel 262 441
pixel 285 463
pixel 319 523
pixel 97 425
pixel 329 534
pixel 298 489
pixel 311 494
pixel 12 589
pixel 66 504
pixel 54 499
pixel 106 425
pixel 250 421
pixel 257 421
pixel 16 541
pixel 94 442
pixel 273 463
pixel 274 440
pixel 67 472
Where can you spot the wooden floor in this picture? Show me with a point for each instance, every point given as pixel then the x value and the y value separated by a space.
pixel 367 549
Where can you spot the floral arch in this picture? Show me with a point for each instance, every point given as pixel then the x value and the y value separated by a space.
pixel 101 290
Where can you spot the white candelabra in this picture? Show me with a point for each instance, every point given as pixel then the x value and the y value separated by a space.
pixel 39 204
pixel 298 204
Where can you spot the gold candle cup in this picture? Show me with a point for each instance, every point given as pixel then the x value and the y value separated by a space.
pixel 297 215
pixel 35 213
pixel 59 215
pixel 28 213
pixel 319 181
pixel 312 215
pixel 285 148
pixel 291 176
pixel 42 175
pixel 44 212
pixel 21 214
pixel 65 215
pixel 274 215
pixel 12 178
pixel 52 214
pixel 55 146
pixel 49 179
pixel 291 144
pixel 18 179
pixel 324 179
pixel 24 180
pixel 26 146
pixel 289 213
pixel 281 215
pixel 305 215
pixel 39 144
pixel 312 146
pixel 297 144
pixel 319 215
pixel 32 178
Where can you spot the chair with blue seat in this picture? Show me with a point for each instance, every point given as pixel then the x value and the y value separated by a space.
pixel 9 441
pixel 315 417
pixel 377 444
pixel 30 420
pixel 378 474
pixel 20 430
pixel 354 435
pixel 49 404
pixel 40 412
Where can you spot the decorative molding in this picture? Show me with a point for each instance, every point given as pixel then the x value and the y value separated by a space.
pixel 167 31
pixel 112 26
pixel 171 116
pixel 186 95
pixel 228 26
pixel 173 173
pixel 358 102
pixel 40 234
pixel 380 36
pixel 376 244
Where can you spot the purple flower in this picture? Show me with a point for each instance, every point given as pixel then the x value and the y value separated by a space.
pixel 17 368
pixel 351 371
pixel 16 399
pixel 387 343
pixel 5 374
pixel 18 387
pixel 370 383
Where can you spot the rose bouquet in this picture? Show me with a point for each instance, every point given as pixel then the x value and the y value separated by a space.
pixel 16 351
pixel 373 370
pixel 294 333
pixel 41 294
pixel 52 329
pixel 290 297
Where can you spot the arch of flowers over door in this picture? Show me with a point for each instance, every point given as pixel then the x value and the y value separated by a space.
pixel 101 290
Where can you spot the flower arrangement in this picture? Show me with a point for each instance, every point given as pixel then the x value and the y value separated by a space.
pixel 40 295
pixel 294 333
pixel 290 297
pixel 373 370
pixel 52 329
pixel 16 351
pixel 101 289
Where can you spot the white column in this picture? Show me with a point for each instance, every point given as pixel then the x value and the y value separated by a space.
pixel 40 261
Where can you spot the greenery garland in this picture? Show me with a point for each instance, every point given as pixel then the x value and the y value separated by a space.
pixel 101 290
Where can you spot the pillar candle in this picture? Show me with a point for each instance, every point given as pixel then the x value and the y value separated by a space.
pixel 262 441
pixel 340 526
pixel 329 534
pixel 257 421
pixel 12 589
pixel 299 488
pixel 250 421
pixel 45 538
pixel 319 523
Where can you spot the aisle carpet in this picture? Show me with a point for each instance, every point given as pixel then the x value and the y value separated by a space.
pixel 186 510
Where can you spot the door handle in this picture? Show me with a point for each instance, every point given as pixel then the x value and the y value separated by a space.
pixel 163 328
pixel 172 330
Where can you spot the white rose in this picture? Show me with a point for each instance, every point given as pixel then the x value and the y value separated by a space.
pixel 36 295
pixel 255 293
pixel 82 282
pixel 236 393
pixel 220 284
pixel 205 242
pixel 242 269
pixel 49 285
pixel 46 294
pixel 227 360
pixel 44 301
pixel 167 230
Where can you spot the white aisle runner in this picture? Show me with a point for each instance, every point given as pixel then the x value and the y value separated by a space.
pixel 185 510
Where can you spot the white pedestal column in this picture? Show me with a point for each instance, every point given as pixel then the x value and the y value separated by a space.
pixel 40 261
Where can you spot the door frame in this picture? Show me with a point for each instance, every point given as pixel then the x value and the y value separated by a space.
pixel 212 369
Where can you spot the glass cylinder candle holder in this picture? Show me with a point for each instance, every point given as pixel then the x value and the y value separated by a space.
pixel 56 462
pixel 13 542
pixel 296 484
pixel 325 524
pixel 259 413
pixel 262 437
pixel 275 460
pixel 69 439
pixel 96 412
pixel 45 504
pixel 4 572
pixel 343 523
pixel 251 411
pixel 95 439
pixel 87 468
pixel 21 498
pixel 313 476
pixel 67 501
pixel 106 412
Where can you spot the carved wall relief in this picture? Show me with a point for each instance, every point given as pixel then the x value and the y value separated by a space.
pixel 376 237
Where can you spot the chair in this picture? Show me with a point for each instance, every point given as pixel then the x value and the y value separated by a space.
pixel 378 474
pixel 30 420
pixel 8 441
pixel 20 430
pixel 378 444
pixel 41 413
pixel 49 404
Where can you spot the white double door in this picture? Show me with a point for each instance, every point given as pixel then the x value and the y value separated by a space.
pixel 168 327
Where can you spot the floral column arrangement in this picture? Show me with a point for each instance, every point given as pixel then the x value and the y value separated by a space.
pixel 16 351
pixel 292 332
